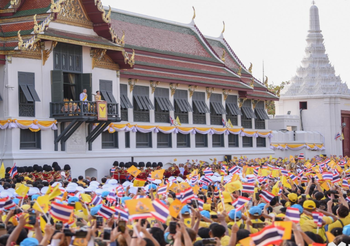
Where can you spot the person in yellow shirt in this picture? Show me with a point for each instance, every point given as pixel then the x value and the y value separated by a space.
pixel 227 206
pixel 344 218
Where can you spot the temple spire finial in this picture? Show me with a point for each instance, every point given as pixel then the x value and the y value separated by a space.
pixel 313 2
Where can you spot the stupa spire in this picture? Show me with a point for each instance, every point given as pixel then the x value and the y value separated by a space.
pixel 314 19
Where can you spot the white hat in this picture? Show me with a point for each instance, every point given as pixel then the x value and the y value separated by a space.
pixel 44 190
pixel 94 183
pixel 126 184
pixel 99 191
pixel 33 191
pixel 80 189
pixel 72 187
pixel 157 181
pixel 56 183
pixel 112 182
pixel 6 193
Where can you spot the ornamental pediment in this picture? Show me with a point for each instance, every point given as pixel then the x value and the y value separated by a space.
pixel 72 12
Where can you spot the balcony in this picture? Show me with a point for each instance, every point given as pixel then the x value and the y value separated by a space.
pixel 86 110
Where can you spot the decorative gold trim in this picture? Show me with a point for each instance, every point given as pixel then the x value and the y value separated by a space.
pixel 192 89
pixel 173 88
pixel 82 43
pixel 14 4
pixel 30 54
pixel 266 82
pixel 20 40
pixel 209 91
pixel 9 59
pixel 46 53
pixel 194 13
pixel 223 55
pixel 73 13
pixel 132 83
pixel 107 17
pixel 56 7
pixel 99 5
pixel 223 29
pixel 154 85
pixel 97 55
pixel 250 69
pixel 252 83
pixel 127 60
pixel 255 102
pixel 239 71
pixel 36 28
pixel 226 92
pixel 115 38
pixel 107 63
pixel 241 101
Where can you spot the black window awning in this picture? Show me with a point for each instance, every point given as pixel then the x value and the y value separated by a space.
pixel 108 96
pixel 143 102
pixel 30 93
pixel 261 113
pixel 164 104
pixel 218 108
pixel 233 108
pixel 249 113
pixel 201 106
pixel 183 105
pixel 125 102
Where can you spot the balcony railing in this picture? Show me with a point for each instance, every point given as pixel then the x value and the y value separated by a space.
pixel 80 109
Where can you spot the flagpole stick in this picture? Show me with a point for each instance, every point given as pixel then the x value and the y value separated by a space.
pixel 235 216
pixel 42 210
pixel 87 209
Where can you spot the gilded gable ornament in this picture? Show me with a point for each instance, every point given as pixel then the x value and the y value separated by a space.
pixel 56 7
pixel 239 73
pixel 107 16
pixel 250 69
pixel 72 12
pixel 115 38
pixel 223 55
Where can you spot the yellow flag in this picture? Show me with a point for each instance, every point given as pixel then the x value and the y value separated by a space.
pixel 2 171
pixel 134 171
pixel 175 188
pixel 139 206
pixel 22 190
pixel 175 208
pixel 49 190
pixel 139 182
pixel 230 123
pixel 183 186
pixel 291 159
pixel 86 198
pixel 287 225
pixel 55 193
pixel 158 174
pixel 246 241
pixel 178 123
pixel 270 158
pixel 276 188
pixel 195 189
pixel 285 183
pixel 42 204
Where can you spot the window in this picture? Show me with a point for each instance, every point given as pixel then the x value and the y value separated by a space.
pixel 216 109
pixel 260 142
pixel 69 86
pixel 218 140
pixel 106 91
pixel 127 139
pixel 164 140
pixel 247 142
pixel 303 105
pixel 201 140
pixel 182 107
pixel 109 140
pixel 68 57
pixel 143 140
pixel 29 139
pixel 261 116
pixel 183 140
pixel 142 104
pixel 232 110
pixel 27 94
pixel 162 105
pixel 200 108
pixel 248 114
pixel 233 140
pixel 124 102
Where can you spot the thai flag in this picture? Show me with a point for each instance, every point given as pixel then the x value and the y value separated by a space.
pixel 106 212
pixel 200 204
pixel 172 123
pixel 111 198
pixel 179 196
pixel 336 178
pixel 248 188
pixel 139 197
pixel 267 196
pixel 293 177
pixel 149 178
pixel 256 171
pixel 161 211
pixel 9 204
pixel 338 135
pixel 2 202
pixel 301 156
pixel 233 170
pixel 13 171
pixel 119 211
pixel 61 212
pixel 280 191
pixel 96 200
pixel 113 170
pixel 206 180
pixel 208 172
pixel 342 163
pixel 317 217
pixel 223 168
pixel 301 174
pixel 240 202
pixel 327 176
pixel 223 122
pixel 345 184
pixel 162 190
pixel 194 180
pixel 284 172
pixel 216 194
pixel 187 195
pixel 293 214
pixel 250 179
pixel 269 235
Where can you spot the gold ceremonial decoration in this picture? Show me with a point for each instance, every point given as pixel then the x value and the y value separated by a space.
pixel 255 102
pixel 36 28
pixel 266 82
pixel 240 71
pixel 46 53
pixel 252 83
pixel 194 13
pixel 173 88
pixel 223 55
pixel 250 69
pixel 97 55
pixel 154 85
pixel 191 89
pixel 132 83
pixel 209 91
pixel 131 61
pixel 73 13
pixel 115 38
pixel 226 92
pixel 107 17
pixel 99 5
pixel 241 101
pixel 223 30
pixel 56 7
pixel 20 40
pixel 14 3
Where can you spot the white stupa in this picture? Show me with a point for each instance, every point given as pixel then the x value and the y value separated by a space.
pixel 316 96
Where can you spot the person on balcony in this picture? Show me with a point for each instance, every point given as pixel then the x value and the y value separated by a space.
pixel 98 96
pixel 83 95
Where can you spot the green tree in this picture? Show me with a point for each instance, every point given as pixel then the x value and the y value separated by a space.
pixel 276 89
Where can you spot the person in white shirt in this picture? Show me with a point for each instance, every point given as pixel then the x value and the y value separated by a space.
pixel 83 95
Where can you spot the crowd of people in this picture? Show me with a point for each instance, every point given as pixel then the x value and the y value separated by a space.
pixel 261 201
